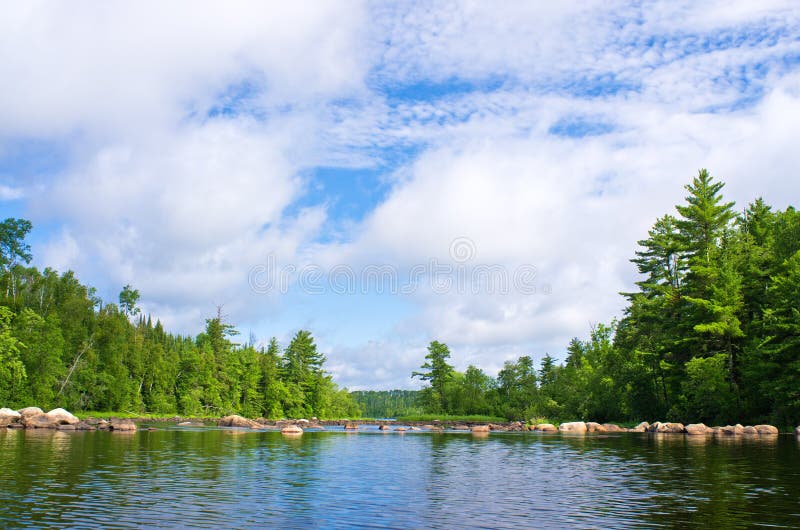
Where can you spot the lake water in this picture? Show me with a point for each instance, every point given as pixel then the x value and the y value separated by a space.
pixel 209 477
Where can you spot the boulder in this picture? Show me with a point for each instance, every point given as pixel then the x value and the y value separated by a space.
pixel 8 416
pixel 611 427
pixel 576 427
pixel 235 420
pixel 479 428
pixel 514 426
pixel 63 417
pixel 39 421
pixel 83 426
pixel 292 430
pixel 731 430
pixel 30 411
pixel 460 427
pixel 495 427
pixel 384 428
pixel 400 429
pixel 749 430
pixel 595 427
pixel 415 428
pixel 667 427
pixel 66 427
pixel 797 431
pixel 121 425
pixel 766 429
pixel 351 426
pixel 642 427
pixel 546 427
pixel 696 429
pixel 102 425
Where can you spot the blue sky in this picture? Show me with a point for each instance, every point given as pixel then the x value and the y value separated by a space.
pixel 407 136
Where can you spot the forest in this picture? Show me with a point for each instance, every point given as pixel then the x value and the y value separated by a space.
pixel 61 346
pixel 711 333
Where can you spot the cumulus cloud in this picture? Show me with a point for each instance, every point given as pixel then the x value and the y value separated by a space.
pixel 121 67
pixel 549 136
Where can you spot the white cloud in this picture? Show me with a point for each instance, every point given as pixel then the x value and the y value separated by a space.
pixel 120 67
pixel 161 193
pixel 10 193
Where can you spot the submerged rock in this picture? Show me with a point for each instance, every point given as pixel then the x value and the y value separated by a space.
pixel 384 428
pixel 576 427
pixel 479 428
pixel 121 425
pixel 351 426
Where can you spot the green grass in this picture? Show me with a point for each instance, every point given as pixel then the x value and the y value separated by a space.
pixel 474 418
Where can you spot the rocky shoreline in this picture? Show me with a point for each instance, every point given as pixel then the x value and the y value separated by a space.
pixel 60 419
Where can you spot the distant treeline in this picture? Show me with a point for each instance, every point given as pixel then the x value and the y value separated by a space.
pixel 61 346
pixel 712 333
pixel 388 403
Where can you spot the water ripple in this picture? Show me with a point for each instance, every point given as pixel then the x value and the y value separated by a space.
pixel 179 477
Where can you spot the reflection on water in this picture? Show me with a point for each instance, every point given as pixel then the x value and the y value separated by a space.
pixel 238 478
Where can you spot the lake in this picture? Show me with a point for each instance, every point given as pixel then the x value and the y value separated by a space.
pixel 209 477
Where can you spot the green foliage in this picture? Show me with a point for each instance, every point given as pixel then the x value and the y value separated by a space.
pixel 13 377
pixel 61 346
pixel 12 242
pixel 388 403
pixel 439 373
pixel 712 334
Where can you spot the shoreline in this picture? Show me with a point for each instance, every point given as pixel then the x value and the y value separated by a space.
pixel 33 417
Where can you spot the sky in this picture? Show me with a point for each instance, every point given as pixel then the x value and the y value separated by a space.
pixel 385 174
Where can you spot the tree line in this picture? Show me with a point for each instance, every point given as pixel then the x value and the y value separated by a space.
pixel 61 346
pixel 711 333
